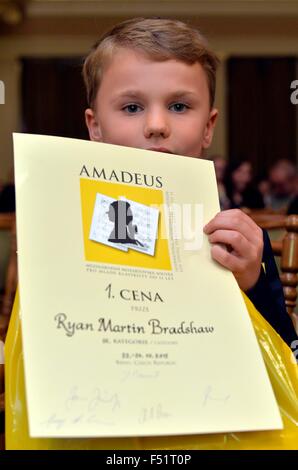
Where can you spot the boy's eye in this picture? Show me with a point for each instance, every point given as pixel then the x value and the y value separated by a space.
pixel 132 108
pixel 178 107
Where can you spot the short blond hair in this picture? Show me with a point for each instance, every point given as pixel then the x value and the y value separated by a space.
pixel 160 39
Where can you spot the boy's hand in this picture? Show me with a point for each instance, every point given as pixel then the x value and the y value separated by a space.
pixel 243 245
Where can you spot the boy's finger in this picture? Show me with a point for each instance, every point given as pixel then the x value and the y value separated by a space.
pixel 254 235
pixel 232 238
pixel 236 215
pixel 233 218
pixel 226 259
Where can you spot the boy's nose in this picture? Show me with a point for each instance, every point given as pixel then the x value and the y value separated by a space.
pixel 156 125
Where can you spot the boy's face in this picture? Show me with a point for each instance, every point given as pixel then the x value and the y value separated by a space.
pixel 162 106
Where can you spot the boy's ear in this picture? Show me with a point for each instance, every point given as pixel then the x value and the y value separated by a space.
pixel 209 129
pixel 93 125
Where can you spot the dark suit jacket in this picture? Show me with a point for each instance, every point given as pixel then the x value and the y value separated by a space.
pixel 268 297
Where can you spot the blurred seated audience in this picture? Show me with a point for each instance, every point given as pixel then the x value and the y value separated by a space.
pixel 220 165
pixel 264 188
pixel 282 185
pixel 7 198
pixel 293 207
pixel 239 186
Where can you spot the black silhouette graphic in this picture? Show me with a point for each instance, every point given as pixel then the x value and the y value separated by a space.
pixel 124 231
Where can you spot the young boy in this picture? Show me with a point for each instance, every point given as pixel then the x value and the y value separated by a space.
pixel 151 85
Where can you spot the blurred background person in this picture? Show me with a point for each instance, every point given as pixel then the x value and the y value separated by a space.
pixel 293 206
pixel 7 194
pixel 239 186
pixel 264 188
pixel 220 165
pixel 7 198
pixel 282 184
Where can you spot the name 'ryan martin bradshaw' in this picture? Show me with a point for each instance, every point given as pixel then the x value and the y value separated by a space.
pixel 106 325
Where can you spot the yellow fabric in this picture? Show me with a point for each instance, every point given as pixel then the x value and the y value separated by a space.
pixel 282 370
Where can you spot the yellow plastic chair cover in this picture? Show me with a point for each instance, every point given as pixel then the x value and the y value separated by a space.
pixel 281 367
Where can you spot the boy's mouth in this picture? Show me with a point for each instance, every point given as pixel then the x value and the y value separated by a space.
pixel 160 149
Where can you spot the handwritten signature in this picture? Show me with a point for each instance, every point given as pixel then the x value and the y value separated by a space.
pixel 82 408
pixel 136 374
pixel 98 397
pixel 153 413
pixel 210 396
pixel 57 422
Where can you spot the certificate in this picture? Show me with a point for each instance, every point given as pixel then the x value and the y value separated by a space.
pixel 129 327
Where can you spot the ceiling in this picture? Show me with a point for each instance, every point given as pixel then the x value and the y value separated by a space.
pixel 13 13
pixel 40 8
